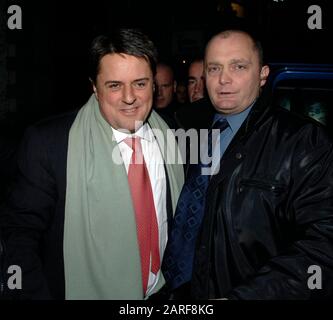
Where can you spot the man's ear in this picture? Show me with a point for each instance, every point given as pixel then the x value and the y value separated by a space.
pixel 264 75
pixel 94 88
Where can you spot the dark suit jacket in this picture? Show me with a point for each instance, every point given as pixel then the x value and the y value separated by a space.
pixel 33 217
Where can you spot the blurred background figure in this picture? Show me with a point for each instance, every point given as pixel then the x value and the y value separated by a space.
pixel 196 80
pixel 317 111
pixel 165 102
pixel 165 86
pixel 197 112
pixel 181 93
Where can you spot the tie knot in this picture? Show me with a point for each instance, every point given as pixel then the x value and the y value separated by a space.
pixel 221 124
pixel 135 144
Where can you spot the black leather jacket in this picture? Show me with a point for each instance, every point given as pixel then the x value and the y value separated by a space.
pixel 269 213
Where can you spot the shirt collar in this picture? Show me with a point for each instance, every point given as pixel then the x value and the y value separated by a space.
pixel 144 132
pixel 234 120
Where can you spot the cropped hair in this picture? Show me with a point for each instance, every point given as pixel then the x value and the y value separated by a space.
pixel 257 46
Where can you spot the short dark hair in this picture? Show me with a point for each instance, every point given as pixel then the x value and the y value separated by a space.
pixel 122 41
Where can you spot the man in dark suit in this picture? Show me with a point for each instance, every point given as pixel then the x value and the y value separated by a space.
pixel 88 215
pixel 260 224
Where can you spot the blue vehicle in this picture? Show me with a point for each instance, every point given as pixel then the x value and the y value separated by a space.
pixel 306 89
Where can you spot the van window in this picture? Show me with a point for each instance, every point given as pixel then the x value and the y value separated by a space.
pixel 309 97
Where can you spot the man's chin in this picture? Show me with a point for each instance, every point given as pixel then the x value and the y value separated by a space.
pixel 225 109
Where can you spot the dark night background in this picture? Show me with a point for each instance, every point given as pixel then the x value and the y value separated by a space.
pixel 45 62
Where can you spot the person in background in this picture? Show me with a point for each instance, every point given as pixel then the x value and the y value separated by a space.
pixel 196 80
pixel 181 93
pixel 197 113
pixel 165 102
pixel 165 86
pixel 88 215
pixel 260 224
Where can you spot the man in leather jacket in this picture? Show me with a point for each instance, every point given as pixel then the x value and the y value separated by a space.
pixel 267 224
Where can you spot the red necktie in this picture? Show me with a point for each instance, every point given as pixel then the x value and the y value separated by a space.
pixel 145 215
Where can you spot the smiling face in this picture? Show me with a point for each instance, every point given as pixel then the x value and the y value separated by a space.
pixel 233 72
pixel 124 90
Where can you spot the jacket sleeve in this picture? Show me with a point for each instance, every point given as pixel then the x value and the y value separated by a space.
pixel 303 270
pixel 26 215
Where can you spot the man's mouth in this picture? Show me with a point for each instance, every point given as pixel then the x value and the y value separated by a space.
pixel 129 111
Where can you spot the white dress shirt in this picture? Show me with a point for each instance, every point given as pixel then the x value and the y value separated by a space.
pixel 156 171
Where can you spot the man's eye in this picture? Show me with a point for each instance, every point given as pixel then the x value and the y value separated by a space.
pixel 238 66
pixel 213 69
pixel 113 86
pixel 191 82
pixel 140 84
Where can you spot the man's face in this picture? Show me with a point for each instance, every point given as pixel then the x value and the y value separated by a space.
pixel 233 73
pixel 165 86
pixel 124 90
pixel 196 81
pixel 181 93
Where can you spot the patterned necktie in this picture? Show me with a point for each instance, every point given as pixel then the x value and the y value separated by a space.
pixel 179 253
pixel 145 215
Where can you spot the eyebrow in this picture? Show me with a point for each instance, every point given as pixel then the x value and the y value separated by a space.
pixel 231 62
pixel 240 60
pixel 165 84
pixel 119 82
pixel 141 79
pixel 111 82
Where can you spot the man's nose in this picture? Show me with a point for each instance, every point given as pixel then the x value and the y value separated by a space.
pixel 128 95
pixel 159 91
pixel 198 86
pixel 224 77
